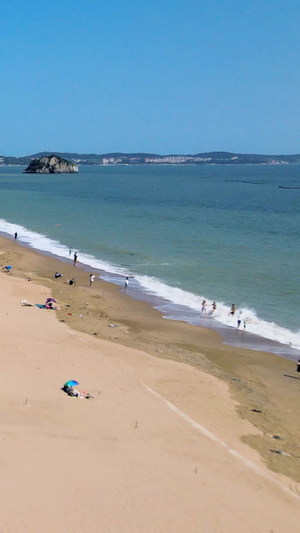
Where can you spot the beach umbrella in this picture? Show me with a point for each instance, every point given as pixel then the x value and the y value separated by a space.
pixel 51 300
pixel 71 383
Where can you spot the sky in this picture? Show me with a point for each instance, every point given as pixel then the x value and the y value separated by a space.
pixel 159 76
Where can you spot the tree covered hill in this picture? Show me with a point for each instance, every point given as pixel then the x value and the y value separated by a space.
pixel 119 158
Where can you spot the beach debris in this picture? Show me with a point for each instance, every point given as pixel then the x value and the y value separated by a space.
pixel 256 410
pixel 280 452
pixel 26 303
pixel 112 326
pixel 277 437
pixel 95 333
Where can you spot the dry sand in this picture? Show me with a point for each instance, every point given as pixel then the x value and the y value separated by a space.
pixel 168 444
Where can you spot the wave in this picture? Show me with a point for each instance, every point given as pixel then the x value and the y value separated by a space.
pixel 41 242
pixel 192 302
pixel 173 302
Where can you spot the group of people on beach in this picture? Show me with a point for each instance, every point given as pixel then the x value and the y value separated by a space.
pixel 75 256
pixel 74 393
pixel 239 320
pixel 231 313
pixel 72 281
pixel 213 309
pixel 67 281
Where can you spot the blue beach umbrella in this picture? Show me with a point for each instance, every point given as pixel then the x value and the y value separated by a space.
pixel 71 383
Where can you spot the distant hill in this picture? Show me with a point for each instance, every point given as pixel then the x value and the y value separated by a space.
pixel 119 158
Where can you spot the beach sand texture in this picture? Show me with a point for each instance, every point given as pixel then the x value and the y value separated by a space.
pixel 162 447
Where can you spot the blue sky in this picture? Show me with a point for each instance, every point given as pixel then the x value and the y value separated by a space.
pixel 166 76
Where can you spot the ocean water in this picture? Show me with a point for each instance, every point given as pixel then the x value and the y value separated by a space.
pixel 182 234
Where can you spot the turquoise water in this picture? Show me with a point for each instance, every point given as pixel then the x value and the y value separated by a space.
pixel 188 233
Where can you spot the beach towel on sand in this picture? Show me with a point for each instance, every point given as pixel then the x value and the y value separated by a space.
pixel 41 306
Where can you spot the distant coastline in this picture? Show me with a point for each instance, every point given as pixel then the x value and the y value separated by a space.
pixel 119 158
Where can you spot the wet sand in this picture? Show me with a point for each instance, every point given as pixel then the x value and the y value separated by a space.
pixel 178 435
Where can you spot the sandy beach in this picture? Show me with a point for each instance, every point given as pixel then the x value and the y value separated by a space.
pixel 179 435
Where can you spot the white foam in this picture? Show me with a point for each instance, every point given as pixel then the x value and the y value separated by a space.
pixel 43 243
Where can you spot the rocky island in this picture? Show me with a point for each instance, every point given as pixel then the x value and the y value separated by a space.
pixel 51 164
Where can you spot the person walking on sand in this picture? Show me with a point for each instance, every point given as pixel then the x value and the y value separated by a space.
pixel 92 279
pixel 75 259
pixel 126 283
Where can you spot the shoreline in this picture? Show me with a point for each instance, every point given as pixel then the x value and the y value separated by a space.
pixel 260 382
pixel 171 311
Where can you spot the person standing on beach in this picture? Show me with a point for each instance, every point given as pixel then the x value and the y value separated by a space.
pixel 75 259
pixel 126 283
pixel 298 367
pixel 239 320
pixel 92 278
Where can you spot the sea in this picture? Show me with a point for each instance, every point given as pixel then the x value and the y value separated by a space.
pixel 182 234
